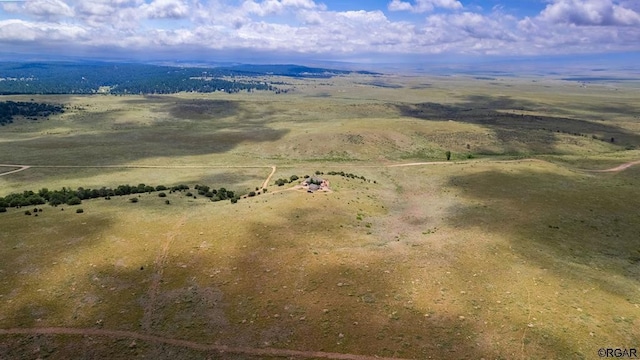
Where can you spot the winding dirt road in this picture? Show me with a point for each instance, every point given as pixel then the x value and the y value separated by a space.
pixel 266 182
pixel 21 168
pixel 622 167
pixel 190 344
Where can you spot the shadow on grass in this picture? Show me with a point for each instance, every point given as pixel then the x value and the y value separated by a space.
pixel 504 115
pixel 35 246
pixel 120 147
pixel 560 221
pixel 294 283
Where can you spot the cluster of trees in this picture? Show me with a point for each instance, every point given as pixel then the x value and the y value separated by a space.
pixel 91 78
pixel 292 178
pixel 347 175
pixel 217 195
pixel 74 197
pixel 32 110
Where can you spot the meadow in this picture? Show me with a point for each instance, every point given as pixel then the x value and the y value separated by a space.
pixel 516 247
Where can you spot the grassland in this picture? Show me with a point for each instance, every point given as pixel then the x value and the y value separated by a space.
pixel 513 249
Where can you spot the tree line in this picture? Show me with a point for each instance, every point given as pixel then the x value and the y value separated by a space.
pixel 69 196
pixel 32 110
pixel 91 78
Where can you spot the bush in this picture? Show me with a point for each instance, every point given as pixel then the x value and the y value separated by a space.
pixel 252 193
pixel 264 190
pixel 79 211
pixel 162 194
pixel 167 202
pixel 74 201
pixel 134 200
pixel 3 209
pixel 293 178
pixel 27 212
pixel 189 194
pixel 234 200
pixel 448 154
pixel 161 188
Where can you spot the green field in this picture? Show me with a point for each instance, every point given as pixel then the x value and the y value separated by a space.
pixel 517 247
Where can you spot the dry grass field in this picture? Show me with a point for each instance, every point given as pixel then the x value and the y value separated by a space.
pixel 513 249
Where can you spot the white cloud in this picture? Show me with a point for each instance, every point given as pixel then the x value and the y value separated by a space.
pixel 309 27
pixel 421 6
pixel 23 31
pixel 48 8
pixel 269 7
pixel 590 13
pixel 171 9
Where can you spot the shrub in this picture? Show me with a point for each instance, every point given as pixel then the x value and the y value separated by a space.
pixel 27 212
pixel 189 194
pixel 448 153
pixel 162 194
pixel 134 200
pixel 3 209
pixel 234 200
pixel 79 211
pixel 264 190
pixel 252 193
pixel 167 202
pixel 74 201
pixel 294 178
pixel 161 188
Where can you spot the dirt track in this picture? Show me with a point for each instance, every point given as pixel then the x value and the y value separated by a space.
pixel 266 182
pixel 618 168
pixel 190 344
pixel 22 167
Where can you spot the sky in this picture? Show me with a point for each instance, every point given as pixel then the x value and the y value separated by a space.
pixel 373 31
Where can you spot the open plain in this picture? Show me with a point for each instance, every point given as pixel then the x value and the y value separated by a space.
pixel 518 246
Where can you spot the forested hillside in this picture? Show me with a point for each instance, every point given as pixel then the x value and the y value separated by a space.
pixel 118 78
pixel 32 110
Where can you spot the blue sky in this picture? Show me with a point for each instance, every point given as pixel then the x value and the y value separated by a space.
pixel 307 30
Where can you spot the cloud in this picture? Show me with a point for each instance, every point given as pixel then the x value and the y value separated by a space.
pixel 591 13
pixel 48 8
pixel 269 7
pixel 169 9
pixel 189 28
pixel 19 31
pixel 421 6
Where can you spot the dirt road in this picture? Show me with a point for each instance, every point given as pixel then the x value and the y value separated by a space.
pixel 266 182
pixel 21 168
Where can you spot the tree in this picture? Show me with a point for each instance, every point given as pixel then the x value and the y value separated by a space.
pixel 162 194
pixel 448 153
